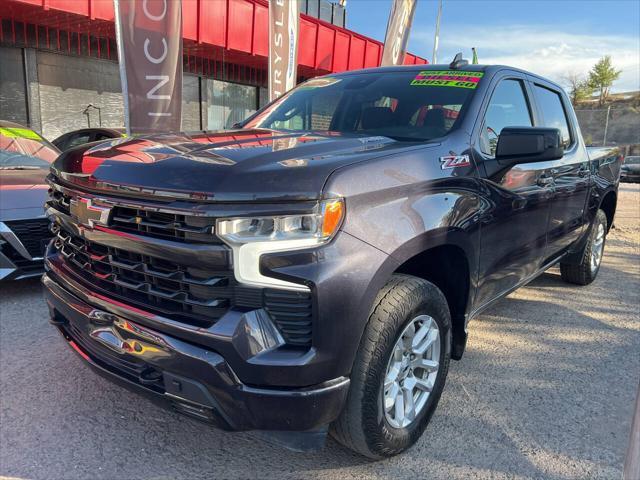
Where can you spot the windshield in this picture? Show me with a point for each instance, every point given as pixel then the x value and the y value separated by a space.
pixel 632 160
pixel 409 106
pixel 21 148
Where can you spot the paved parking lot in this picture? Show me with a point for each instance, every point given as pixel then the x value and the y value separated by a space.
pixel 546 389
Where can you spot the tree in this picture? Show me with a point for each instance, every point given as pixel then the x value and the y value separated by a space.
pixel 580 89
pixel 602 76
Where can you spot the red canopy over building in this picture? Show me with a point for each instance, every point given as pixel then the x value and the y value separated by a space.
pixel 236 30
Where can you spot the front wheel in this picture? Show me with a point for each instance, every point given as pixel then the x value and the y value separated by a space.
pixel 586 271
pixel 400 369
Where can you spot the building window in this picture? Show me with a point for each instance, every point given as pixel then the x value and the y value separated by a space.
pixel 263 96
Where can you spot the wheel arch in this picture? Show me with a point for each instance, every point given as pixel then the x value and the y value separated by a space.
pixel 608 206
pixel 447 259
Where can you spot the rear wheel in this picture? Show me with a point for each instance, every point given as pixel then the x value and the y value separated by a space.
pixel 400 369
pixel 586 271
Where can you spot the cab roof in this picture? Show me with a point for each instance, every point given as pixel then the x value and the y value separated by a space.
pixel 436 66
pixel 487 69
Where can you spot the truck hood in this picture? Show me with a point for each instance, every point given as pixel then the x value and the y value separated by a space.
pixel 240 165
pixel 22 192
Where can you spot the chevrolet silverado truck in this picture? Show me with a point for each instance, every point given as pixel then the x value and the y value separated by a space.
pixel 314 270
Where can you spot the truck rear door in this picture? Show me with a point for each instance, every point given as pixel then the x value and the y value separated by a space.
pixel 570 173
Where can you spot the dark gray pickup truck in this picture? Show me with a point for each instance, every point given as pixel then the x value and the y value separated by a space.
pixel 315 270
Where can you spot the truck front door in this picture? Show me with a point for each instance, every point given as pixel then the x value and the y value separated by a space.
pixel 514 223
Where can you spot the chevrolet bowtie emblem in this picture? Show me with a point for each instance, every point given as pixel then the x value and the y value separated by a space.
pixel 88 214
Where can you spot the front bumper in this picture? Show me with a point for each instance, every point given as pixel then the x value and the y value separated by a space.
pixel 21 252
pixel 193 380
pixel 10 271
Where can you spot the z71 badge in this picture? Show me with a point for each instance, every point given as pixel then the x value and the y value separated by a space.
pixel 453 161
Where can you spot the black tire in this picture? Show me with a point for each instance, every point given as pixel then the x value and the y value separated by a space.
pixel 362 425
pixel 583 273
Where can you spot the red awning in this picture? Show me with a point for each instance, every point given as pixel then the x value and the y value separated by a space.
pixel 231 30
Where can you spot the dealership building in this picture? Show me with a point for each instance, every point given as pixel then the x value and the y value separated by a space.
pixel 59 71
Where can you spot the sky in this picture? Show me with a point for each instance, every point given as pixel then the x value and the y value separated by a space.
pixel 552 38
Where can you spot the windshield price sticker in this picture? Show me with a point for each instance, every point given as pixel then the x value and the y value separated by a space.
pixel 447 78
pixel 20 133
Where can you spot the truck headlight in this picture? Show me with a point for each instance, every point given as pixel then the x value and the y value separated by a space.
pixel 251 237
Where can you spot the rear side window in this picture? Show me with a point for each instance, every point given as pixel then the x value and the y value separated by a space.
pixel 102 136
pixel 76 140
pixel 553 112
pixel 508 108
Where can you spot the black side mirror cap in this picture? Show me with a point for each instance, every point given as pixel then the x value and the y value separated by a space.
pixel 528 144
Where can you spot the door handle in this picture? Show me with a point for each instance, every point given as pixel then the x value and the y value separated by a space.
pixel 544 181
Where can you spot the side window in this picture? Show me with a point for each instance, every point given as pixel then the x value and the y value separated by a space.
pixel 61 142
pixel 78 140
pixel 508 108
pixel 553 113
pixel 102 136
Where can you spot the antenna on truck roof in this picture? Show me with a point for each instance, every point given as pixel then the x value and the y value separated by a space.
pixel 458 62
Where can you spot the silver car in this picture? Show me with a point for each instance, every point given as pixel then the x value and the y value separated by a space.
pixel 24 230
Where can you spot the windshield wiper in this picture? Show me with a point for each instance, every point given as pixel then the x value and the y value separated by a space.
pixel 406 139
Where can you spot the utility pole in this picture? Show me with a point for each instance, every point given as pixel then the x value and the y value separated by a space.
pixel 434 58
pixel 606 126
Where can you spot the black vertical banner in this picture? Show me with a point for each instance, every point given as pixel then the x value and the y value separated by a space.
pixel 149 35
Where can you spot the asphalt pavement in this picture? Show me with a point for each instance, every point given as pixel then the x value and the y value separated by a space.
pixel 545 390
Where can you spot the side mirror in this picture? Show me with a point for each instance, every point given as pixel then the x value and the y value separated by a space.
pixel 528 144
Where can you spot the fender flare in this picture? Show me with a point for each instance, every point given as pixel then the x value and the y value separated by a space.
pixel 446 236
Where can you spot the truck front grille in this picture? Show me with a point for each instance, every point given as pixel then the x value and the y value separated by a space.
pixel 196 296
pixel 59 200
pixel 157 285
pixel 181 228
pixel 152 223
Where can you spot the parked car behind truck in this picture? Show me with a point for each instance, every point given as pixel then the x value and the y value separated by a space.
pixel 87 135
pixel 630 171
pixel 24 229
pixel 317 269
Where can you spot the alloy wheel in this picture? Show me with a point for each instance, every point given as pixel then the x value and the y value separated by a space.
pixel 412 371
pixel 597 248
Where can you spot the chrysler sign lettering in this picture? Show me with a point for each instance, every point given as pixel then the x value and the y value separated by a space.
pixel 283 46
pixel 149 34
